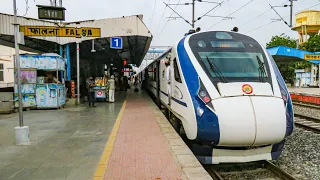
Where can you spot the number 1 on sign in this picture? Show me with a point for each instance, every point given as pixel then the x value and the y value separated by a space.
pixel 117 42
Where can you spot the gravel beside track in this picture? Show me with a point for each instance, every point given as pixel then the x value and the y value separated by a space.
pixel 301 155
pixel 307 111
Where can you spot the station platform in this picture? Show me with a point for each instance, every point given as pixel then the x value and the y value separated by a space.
pixel 310 91
pixel 307 95
pixel 129 139
pixel 144 145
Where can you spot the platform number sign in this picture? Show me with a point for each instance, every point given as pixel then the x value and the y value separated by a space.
pixel 116 43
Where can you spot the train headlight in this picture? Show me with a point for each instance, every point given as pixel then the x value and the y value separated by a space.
pixel 204 96
pixel 203 93
pixel 200 111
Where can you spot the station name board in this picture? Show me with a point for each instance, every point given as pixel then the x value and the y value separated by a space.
pixel 60 31
pixel 311 57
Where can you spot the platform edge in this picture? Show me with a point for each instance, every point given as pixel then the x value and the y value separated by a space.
pixel 104 160
pixel 189 165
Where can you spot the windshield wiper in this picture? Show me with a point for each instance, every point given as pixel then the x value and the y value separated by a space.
pixel 216 71
pixel 262 71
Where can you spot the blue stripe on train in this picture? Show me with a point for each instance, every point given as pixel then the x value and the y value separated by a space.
pixel 176 100
pixel 208 126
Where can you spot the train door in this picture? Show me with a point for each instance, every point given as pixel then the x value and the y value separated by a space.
pixel 164 86
pixel 158 79
pixel 178 89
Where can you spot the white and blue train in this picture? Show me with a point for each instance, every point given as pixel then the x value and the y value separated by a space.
pixel 226 95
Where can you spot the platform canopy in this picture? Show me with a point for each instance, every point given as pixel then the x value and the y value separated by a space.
pixel 153 53
pixel 283 54
pixel 136 36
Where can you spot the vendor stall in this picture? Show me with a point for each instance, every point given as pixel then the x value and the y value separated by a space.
pixel 101 89
pixel 28 78
pixel 42 83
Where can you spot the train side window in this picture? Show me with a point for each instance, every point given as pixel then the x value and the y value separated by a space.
pixel 176 71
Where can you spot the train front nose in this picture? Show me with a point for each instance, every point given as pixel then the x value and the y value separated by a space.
pixel 250 120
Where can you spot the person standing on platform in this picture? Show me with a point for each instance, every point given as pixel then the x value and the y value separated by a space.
pixel 136 84
pixel 111 89
pixel 116 80
pixel 168 78
pixel 125 83
pixel 90 86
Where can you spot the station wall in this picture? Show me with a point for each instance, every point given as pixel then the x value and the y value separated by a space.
pixel 7 65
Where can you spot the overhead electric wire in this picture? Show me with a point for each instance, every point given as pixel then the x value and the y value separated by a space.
pixel 219 4
pixel 279 15
pixel 233 13
pixel 154 7
pixel 229 6
pixel 261 26
pixel 168 20
pixel 177 14
pixel 223 2
pixel 255 17
pixel 303 9
pixel 283 17
pixel 161 18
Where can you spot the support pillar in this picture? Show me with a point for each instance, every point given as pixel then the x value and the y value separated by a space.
pixel 78 73
pixel 21 131
pixel 313 75
pixel 68 62
pixel 319 75
pixel 61 54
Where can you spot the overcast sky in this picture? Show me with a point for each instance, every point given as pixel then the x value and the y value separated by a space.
pixel 168 32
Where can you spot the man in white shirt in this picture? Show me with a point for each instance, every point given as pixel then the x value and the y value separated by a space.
pixel 168 78
pixel 111 89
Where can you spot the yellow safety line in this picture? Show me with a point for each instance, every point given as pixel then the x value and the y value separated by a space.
pixel 102 166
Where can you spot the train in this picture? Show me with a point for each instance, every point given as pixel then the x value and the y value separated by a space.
pixel 223 91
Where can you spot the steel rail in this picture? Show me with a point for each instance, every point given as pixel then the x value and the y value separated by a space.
pixel 306 105
pixel 214 174
pixel 309 119
pixel 278 171
pixel 314 119
pixel 267 165
pixel 310 128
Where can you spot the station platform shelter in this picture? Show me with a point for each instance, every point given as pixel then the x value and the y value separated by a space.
pixel 93 36
pixel 284 55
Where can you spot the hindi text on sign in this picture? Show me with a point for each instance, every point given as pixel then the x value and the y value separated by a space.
pixel 60 31
pixel 311 57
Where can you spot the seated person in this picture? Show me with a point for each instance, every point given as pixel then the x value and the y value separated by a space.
pixel 51 78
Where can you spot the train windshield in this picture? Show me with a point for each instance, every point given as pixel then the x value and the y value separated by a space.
pixel 234 64
pixel 230 57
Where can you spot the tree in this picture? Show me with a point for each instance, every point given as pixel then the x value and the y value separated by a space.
pixel 282 41
pixel 287 70
pixel 312 45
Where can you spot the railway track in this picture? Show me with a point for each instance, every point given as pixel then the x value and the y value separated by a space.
pixel 308 105
pixel 307 122
pixel 255 167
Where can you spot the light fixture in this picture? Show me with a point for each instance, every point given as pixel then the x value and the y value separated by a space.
pixel 200 111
